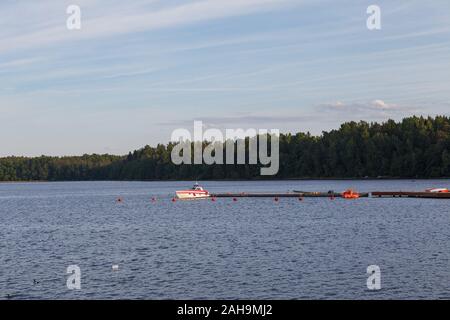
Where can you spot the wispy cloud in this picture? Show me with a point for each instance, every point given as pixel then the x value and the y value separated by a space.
pixel 355 110
pixel 245 120
pixel 148 66
pixel 15 63
pixel 366 110
pixel 115 23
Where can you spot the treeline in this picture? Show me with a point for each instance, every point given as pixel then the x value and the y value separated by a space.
pixel 416 147
pixel 86 167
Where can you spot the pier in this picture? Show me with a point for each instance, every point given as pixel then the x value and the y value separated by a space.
pixel 407 194
pixel 295 194
pixel 282 195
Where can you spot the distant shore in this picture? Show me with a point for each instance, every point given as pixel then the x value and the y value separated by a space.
pixel 413 148
pixel 230 180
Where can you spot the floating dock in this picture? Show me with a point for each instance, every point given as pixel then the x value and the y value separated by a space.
pixel 405 194
pixel 301 194
pixel 282 195
pixel 329 194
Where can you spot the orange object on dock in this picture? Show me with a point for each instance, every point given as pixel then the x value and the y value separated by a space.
pixel 350 194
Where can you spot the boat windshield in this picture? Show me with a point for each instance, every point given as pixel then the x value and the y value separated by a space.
pixel 197 187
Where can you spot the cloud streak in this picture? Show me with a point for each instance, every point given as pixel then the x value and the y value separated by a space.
pixel 139 68
pixel 120 23
pixel 243 120
pixel 366 110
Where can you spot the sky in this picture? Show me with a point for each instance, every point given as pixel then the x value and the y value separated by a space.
pixel 137 70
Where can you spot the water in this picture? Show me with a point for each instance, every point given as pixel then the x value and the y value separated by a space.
pixel 252 248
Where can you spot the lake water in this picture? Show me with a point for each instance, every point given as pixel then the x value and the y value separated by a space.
pixel 252 248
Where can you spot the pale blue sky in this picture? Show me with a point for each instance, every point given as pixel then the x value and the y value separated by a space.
pixel 139 69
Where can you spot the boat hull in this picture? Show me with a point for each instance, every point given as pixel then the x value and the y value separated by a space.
pixel 192 194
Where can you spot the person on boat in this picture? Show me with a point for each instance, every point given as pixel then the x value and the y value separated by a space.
pixel 197 187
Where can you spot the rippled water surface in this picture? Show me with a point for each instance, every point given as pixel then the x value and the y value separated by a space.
pixel 252 248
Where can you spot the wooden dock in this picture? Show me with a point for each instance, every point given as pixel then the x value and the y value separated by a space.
pixel 329 194
pixel 282 195
pixel 406 194
pixel 301 194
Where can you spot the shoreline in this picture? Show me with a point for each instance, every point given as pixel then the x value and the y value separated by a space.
pixel 230 180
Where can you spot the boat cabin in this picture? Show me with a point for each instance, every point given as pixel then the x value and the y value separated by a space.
pixel 197 187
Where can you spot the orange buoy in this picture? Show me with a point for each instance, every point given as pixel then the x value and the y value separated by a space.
pixel 174 200
pixel 276 199
pixel 213 199
pixel 119 199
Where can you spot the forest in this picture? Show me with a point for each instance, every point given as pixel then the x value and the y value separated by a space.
pixel 416 147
